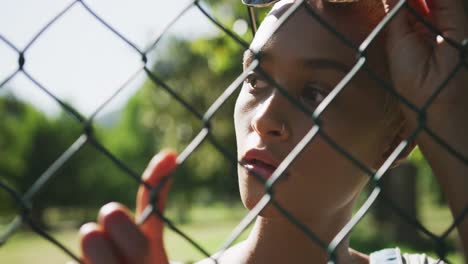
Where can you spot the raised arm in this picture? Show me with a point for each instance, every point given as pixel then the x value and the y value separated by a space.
pixel 419 65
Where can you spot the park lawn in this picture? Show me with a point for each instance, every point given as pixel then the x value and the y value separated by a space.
pixel 27 247
pixel 210 226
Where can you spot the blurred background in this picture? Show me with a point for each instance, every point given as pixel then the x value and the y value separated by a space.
pixel 83 63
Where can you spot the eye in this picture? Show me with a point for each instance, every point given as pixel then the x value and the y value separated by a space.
pixel 314 93
pixel 256 82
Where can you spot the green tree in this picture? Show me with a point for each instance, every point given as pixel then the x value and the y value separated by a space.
pixel 199 71
pixel 19 122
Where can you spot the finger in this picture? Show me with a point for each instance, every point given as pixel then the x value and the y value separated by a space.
pixel 124 234
pixel 95 247
pixel 160 166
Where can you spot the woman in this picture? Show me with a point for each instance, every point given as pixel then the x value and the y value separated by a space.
pixel 321 185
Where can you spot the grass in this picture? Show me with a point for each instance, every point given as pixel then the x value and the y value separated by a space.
pixel 210 226
pixel 28 247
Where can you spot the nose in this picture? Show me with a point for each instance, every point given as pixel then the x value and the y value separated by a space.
pixel 269 120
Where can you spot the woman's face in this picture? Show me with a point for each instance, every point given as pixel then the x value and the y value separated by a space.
pixel 307 61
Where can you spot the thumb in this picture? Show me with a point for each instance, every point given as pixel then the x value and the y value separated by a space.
pixel 160 166
pixel 400 28
pixel 406 41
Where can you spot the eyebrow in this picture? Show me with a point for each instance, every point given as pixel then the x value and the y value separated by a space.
pixel 326 63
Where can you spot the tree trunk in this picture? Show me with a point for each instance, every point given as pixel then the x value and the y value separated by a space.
pixel 399 188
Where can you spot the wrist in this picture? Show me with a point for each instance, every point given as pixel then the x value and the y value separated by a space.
pixel 439 122
pixel 438 117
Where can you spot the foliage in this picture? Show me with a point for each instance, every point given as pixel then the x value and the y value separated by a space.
pixel 427 180
pixel 19 122
pixel 31 143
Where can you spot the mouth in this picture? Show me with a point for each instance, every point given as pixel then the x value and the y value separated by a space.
pixel 259 164
pixel 259 168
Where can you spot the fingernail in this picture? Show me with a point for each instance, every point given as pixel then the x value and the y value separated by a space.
pixel 164 154
pixel 108 209
pixel 88 228
pixel 161 164
pixel 421 6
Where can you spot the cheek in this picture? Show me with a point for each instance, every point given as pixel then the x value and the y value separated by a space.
pixel 238 112
pixel 322 179
pixel 242 111
pixel 332 178
pixel 353 124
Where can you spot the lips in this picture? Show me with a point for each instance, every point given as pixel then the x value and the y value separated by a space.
pixel 260 163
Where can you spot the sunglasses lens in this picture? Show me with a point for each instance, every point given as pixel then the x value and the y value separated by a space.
pixel 259 3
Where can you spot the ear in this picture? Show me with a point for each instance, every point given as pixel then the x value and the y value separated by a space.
pixel 402 134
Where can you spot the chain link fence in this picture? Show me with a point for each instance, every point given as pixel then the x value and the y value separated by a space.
pixel 25 201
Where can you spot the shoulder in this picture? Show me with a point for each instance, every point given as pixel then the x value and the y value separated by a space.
pixel 394 256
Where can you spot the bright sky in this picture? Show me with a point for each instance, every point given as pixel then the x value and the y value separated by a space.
pixel 78 59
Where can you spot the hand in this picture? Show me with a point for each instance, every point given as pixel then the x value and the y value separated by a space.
pixel 116 238
pixel 419 64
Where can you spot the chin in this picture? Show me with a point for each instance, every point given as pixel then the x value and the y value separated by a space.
pixel 252 191
pixel 268 212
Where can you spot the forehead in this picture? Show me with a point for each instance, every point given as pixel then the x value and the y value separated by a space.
pixel 300 38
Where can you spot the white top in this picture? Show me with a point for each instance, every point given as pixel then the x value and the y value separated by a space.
pixel 394 256
pixel 391 256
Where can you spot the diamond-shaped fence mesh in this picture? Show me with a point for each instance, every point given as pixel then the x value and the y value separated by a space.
pixel 206 135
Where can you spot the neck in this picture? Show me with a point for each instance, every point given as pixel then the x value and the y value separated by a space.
pixel 277 240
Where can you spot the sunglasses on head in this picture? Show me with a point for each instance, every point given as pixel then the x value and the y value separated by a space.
pixel 258 3
pixel 251 4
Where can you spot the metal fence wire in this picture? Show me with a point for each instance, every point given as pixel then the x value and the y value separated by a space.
pixel 25 200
